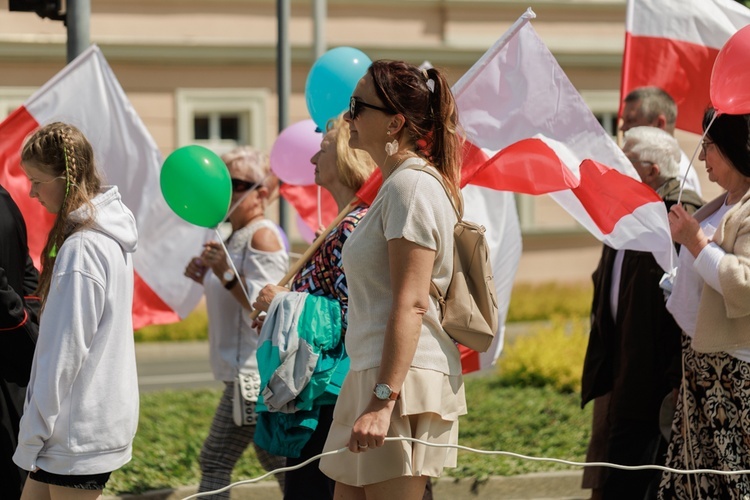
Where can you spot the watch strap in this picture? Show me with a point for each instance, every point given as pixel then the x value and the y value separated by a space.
pixel 231 283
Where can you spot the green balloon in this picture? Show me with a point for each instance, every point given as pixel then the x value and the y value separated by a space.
pixel 195 183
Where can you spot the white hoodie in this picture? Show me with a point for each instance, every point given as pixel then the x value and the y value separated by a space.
pixel 81 410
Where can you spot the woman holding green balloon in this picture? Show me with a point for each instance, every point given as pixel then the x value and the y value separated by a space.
pixel 258 256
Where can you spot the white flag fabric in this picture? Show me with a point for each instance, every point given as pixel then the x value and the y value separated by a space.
pixel 516 92
pixel 673 45
pixel 86 94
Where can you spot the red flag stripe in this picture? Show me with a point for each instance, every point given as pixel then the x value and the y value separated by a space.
pixel 608 196
pixel 682 69
pixel 528 166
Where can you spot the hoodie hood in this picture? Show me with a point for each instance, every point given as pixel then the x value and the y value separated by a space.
pixel 111 217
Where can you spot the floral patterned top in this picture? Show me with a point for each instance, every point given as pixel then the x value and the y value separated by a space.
pixel 323 275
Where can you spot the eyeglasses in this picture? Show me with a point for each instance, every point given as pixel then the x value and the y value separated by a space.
pixel 240 186
pixel 705 143
pixel 356 105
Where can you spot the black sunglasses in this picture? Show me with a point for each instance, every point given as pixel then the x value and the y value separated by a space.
pixel 240 186
pixel 356 105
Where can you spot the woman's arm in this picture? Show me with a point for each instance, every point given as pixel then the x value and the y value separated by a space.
pixel 734 274
pixel 264 240
pixel 410 273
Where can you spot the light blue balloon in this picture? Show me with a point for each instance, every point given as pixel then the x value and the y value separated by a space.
pixel 332 80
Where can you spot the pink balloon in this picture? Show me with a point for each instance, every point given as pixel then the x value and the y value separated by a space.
pixel 304 230
pixel 291 153
pixel 730 78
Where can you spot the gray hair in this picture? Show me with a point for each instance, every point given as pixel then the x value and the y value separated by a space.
pixel 654 102
pixel 654 145
pixel 249 164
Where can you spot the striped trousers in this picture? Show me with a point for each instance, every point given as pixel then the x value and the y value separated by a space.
pixel 225 444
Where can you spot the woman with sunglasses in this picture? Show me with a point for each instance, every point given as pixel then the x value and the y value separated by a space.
pixel 257 250
pixel 405 375
pixel 710 301
pixel 341 171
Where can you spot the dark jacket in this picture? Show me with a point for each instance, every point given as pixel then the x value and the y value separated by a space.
pixel 636 356
pixel 19 323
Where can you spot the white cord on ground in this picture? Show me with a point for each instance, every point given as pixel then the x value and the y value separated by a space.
pixel 481 452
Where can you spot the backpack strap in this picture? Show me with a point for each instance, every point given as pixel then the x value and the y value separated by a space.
pixel 422 167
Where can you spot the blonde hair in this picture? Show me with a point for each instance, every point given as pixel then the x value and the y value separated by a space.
pixel 354 166
pixel 61 150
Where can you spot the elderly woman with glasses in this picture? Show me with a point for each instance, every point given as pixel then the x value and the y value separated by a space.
pixel 257 250
pixel 710 301
pixel 342 171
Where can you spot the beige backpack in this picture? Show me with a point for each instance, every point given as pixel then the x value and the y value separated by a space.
pixel 469 308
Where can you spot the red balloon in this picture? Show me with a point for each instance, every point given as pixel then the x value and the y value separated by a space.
pixel 730 78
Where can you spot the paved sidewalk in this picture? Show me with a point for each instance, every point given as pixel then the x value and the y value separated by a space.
pixel 540 486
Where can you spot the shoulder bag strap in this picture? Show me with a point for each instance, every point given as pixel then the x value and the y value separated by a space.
pixel 423 168
pixel 434 290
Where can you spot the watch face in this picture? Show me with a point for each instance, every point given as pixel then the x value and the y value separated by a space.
pixel 382 391
pixel 228 275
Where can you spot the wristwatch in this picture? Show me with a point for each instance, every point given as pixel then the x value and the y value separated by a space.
pixel 230 279
pixel 384 392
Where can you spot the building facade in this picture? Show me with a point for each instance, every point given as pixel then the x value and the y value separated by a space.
pixel 204 72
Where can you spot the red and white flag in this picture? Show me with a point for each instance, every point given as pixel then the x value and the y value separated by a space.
pixel 87 94
pixel 673 45
pixel 538 136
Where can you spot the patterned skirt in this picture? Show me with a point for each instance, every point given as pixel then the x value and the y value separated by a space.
pixel 711 428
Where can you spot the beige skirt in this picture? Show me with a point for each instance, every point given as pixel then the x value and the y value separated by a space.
pixel 428 409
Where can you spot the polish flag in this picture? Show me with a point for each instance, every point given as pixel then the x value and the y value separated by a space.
pixel 673 45
pixel 529 131
pixel 87 94
pixel 536 136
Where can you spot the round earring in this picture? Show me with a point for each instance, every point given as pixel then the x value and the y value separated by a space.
pixel 388 133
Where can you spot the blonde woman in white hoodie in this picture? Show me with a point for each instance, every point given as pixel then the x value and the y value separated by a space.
pixel 81 409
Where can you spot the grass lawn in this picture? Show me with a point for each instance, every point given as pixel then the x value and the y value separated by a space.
pixel 529 420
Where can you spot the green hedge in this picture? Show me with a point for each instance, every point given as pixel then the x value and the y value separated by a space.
pixel 527 303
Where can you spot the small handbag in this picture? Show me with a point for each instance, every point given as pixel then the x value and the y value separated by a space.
pixel 246 390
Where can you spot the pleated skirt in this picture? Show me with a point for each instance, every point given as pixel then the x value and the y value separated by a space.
pixel 428 409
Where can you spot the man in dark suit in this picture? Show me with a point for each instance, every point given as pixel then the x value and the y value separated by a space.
pixel 19 323
pixel 633 356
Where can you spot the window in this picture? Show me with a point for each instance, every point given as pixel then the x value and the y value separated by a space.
pixel 604 104
pixel 221 119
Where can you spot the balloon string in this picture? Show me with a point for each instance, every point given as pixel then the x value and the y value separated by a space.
pixel 220 239
pixel 684 178
pixel 242 198
pixel 234 269
pixel 692 158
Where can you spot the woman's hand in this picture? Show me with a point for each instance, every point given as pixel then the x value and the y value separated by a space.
pixel 686 230
pixel 266 295
pixel 214 257
pixel 196 270
pixel 371 427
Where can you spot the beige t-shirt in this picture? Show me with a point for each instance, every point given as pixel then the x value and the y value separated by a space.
pixel 411 205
